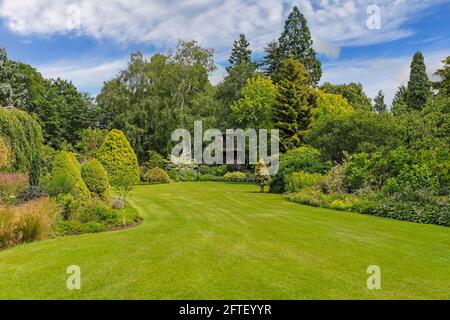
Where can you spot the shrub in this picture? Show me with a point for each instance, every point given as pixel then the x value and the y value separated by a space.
pixel 66 178
pixel 217 171
pixel 90 142
pixel 209 177
pixel 69 206
pixel 12 185
pixel 235 176
pixel 305 159
pixel 301 180
pixel 154 160
pixel 334 181
pixel 262 176
pixel 96 179
pixel 156 175
pixel 23 136
pixel 118 158
pixel 26 223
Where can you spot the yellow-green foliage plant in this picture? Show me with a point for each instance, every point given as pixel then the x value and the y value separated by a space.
pixel 5 155
pixel 119 158
pixel 22 135
pixel 262 175
pixel 96 179
pixel 156 175
pixel 65 178
pixel 328 103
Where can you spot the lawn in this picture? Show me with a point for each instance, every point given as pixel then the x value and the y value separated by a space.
pixel 226 241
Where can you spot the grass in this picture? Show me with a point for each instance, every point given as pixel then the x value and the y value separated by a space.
pixel 226 241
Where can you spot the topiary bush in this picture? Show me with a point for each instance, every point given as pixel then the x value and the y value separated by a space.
pixel 235 176
pixel 65 178
pixel 156 175
pixel 118 158
pixel 96 179
pixel 23 136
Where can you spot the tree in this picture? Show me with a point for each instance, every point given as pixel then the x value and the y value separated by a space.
pixel 419 84
pixel 443 85
pixel 328 104
pixel 91 140
pixel 379 105
pixel 22 135
pixel 353 92
pixel 240 52
pixel 293 104
pixel 399 105
pixel 359 131
pixel 119 160
pixel 262 176
pixel 295 40
pixel 151 98
pixel 254 109
pixel 230 90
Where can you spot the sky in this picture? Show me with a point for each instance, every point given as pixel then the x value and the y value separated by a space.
pixel 89 42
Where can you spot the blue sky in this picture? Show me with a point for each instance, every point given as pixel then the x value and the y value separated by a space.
pixel 88 42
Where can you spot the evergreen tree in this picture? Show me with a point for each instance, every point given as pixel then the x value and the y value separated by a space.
pixel 240 52
pixel 443 86
pixel 379 105
pixel 295 40
pixel 293 103
pixel 419 84
pixel 399 105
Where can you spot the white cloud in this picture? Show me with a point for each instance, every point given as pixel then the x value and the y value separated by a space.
pixel 386 74
pixel 214 23
pixel 85 75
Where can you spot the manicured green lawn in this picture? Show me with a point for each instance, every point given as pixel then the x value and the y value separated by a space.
pixel 225 241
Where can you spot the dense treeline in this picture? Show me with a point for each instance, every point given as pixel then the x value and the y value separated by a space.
pixel 336 143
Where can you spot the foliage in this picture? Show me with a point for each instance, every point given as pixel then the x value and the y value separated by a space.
pixel 399 105
pixel 230 90
pixel 152 98
pixel 156 175
pixel 218 170
pixel 119 159
pixel 379 105
pixel 436 212
pixel 305 159
pixel 254 109
pixel 5 154
pixel 300 180
pixel 355 132
pixel 65 178
pixel 443 84
pixel 240 52
pixel 26 223
pixel 330 104
pixel 23 135
pixel 262 175
pixel 35 172
pixel 96 179
pixel 295 40
pixel 90 142
pixel 353 92
pixel 154 159
pixel 293 104
pixel 419 89
pixel 12 185
pixel 235 176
